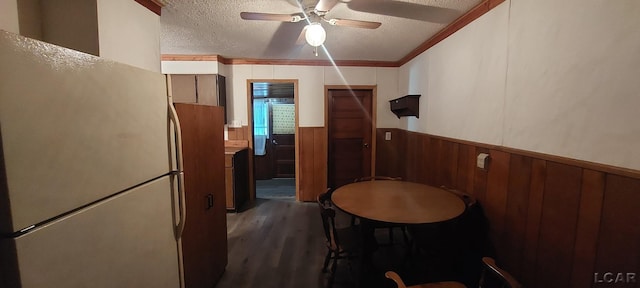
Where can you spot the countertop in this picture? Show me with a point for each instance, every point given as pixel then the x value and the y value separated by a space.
pixel 233 150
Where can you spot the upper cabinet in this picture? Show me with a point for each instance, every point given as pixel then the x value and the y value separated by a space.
pixel 205 89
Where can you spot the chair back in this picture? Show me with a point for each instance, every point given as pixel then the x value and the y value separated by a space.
pixel 494 276
pixel 374 178
pixel 469 200
pixel 328 215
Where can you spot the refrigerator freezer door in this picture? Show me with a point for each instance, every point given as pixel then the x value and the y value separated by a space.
pixel 74 129
pixel 126 241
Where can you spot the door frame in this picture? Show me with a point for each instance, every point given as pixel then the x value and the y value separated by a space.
pixel 250 131
pixel 374 112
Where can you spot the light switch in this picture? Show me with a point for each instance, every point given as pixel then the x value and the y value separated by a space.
pixel 483 161
pixel 387 135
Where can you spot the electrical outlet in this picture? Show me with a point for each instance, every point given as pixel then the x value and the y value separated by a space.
pixel 387 135
pixel 483 161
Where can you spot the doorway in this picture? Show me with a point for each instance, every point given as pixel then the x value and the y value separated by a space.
pixel 273 110
pixel 351 130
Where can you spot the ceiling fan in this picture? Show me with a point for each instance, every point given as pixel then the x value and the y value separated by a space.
pixel 313 32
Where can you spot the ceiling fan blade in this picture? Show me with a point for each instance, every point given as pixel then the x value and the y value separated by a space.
pixel 355 23
pixel 405 10
pixel 270 17
pixel 326 5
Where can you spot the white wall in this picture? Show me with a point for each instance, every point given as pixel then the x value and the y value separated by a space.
pixel 129 33
pixel 9 16
pixel 556 77
pixel 461 81
pixel 67 23
pixel 189 67
pixel 311 82
pixel 573 82
pixel 310 90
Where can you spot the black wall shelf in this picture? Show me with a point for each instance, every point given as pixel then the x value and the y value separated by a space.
pixel 406 106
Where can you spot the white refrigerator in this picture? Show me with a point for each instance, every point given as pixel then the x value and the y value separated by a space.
pixel 89 185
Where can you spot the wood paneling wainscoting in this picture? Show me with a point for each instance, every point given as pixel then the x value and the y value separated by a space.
pixel 312 157
pixel 312 160
pixel 239 133
pixel 554 221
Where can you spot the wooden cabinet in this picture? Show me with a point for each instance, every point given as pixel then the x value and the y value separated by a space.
pixel 237 177
pixel 204 240
pixel 205 89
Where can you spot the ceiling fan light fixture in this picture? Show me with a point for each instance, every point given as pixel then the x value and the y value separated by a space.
pixel 315 34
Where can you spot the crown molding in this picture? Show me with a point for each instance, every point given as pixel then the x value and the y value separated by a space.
pixel 247 61
pixel 186 57
pixel 154 6
pixel 464 20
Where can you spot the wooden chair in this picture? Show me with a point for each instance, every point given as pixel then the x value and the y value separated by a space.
pixel 342 243
pixel 456 246
pixel 500 278
pixel 382 225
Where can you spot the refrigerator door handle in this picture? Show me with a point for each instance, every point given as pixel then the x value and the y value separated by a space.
pixel 180 173
pixel 179 164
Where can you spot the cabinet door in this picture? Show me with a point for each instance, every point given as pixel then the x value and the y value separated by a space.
pixel 207 92
pixel 204 241
pixel 183 88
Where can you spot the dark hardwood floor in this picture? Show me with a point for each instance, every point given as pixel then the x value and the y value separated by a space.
pixel 275 243
pixel 280 243
pixel 276 188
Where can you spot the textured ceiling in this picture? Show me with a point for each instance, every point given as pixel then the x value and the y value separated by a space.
pixel 215 27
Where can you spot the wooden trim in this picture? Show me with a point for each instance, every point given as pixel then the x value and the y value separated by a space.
pixel 460 141
pixel 374 97
pixel 252 178
pixel 296 139
pixel 296 100
pixel 153 5
pixel 494 3
pixel 184 57
pixel 236 143
pixel 374 120
pixel 632 173
pixel 357 63
pixel 244 61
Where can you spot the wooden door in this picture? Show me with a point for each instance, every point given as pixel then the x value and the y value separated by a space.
pixel 204 241
pixel 350 126
pixel 284 155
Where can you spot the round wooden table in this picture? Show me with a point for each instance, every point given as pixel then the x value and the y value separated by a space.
pixel 398 202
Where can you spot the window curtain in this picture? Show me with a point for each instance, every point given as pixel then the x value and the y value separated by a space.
pixel 260 125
